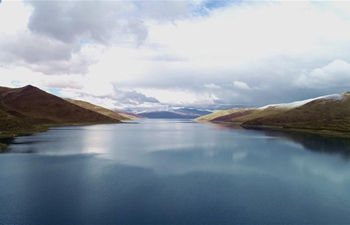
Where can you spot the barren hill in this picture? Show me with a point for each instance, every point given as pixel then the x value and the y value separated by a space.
pixel 98 109
pixel 29 106
pixel 325 113
pixel 320 114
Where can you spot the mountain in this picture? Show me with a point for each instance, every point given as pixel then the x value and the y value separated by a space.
pixel 116 114
pixel 98 109
pixel 325 113
pixel 165 115
pixel 29 108
pixel 10 122
pixel 191 111
pixel 332 114
pixel 223 115
pixel 128 114
pixel 175 113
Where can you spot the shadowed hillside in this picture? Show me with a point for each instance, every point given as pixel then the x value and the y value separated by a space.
pixel 28 110
pixel 9 122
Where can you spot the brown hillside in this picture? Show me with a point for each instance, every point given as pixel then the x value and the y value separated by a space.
pixel 39 107
pixel 321 114
pixel 9 122
pixel 129 115
pixel 259 113
pixel 97 109
pixel 235 115
pixel 241 115
pixel 217 114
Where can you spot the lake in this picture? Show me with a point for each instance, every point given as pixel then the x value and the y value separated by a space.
pixel 174 172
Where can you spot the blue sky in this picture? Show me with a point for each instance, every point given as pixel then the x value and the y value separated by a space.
pixel 158 54
pixel 213 4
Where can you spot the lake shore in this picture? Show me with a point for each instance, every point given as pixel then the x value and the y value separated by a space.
pixel 5 136
pixel 333 133
pixel 3 147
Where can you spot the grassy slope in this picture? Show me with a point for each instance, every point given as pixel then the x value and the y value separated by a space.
pixel 236 116
pixel 129 115
pixel 321 114
pixel 9 122
pixel 28 110
pixel 11 126
pixel 259 113
pixel 217 114
pixel 98 109
pixel 240 115
pixel 38 107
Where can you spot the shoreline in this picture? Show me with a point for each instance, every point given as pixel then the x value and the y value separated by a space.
pixel 333 133
pixel 6 136
pixel 3 147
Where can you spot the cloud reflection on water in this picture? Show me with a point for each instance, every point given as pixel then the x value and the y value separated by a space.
pixel 196 173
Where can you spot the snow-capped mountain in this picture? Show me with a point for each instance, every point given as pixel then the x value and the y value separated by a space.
pixel 174 113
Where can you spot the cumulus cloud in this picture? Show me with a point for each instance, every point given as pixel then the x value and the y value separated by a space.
pixel 51 34
pixel 132 97
pixel 93 20
pixel 45 55
pixel 35 49
pixel 101 21
pixel 101 92
pixel 334 75
pixel 178 52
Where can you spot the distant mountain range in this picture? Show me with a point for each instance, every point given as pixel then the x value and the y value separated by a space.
pixel 329 113
pixel 175 113
pixel 129 114
pixel 29 109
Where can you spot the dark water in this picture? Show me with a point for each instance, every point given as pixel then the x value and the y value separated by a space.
pixel 174 172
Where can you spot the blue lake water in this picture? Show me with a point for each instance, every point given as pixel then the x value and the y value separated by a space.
pixel 174 172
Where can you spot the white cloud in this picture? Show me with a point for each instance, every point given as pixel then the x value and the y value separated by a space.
pixel 167 51
pixel 97 86
pixel 212 86
pixel 13 17
pixel 334 74
pixel 170 96
pixel 241 85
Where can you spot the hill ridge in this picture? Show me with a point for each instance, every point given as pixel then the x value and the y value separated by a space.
pixel 31 105
pixel 330 113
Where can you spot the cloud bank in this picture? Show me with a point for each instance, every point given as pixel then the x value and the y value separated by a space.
pixel 136 54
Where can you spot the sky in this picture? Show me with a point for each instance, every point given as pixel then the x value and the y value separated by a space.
pixel 156 54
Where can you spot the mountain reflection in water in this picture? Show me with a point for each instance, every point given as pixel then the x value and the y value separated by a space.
pixel 174 172
pixel 319 143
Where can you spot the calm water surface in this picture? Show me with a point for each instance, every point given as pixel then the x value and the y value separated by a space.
pixel 174 172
